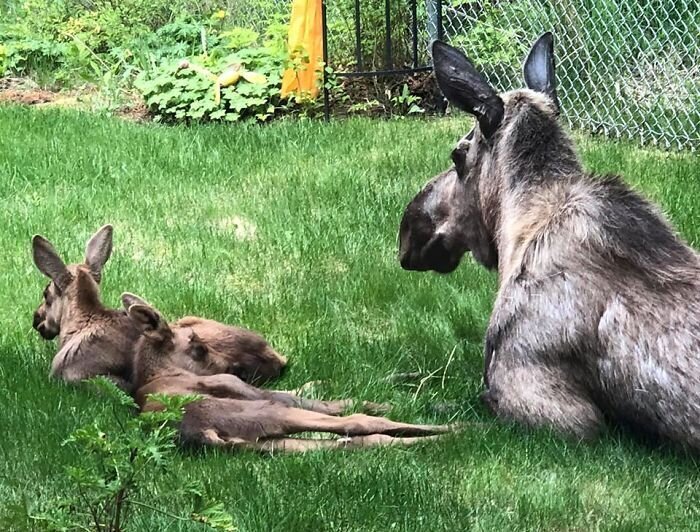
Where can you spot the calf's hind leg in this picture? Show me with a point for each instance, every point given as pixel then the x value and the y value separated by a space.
pixel 255 420
pixel 295 420
pixel 300 445
pixel 541 396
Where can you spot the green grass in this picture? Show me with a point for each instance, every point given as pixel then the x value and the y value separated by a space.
pixel 319 278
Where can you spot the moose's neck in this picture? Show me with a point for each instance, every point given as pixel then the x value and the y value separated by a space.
pixel 490 207
pixel 83 314
pixel 536 162
pixel 537 154
pixel 152 361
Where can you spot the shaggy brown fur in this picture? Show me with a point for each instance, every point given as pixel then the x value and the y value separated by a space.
pixel 237 415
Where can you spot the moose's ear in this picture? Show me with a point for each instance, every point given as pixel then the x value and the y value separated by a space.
pixel 145 317
pixel 129 299
pixel 539 66
pixel 464 86
pixel 98 250
pixel 49 263
pixel 197 350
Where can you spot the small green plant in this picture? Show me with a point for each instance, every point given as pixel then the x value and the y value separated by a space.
pixel 117 462
pixel 406 103
pixel 367 106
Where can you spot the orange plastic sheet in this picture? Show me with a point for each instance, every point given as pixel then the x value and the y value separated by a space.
pixel 305 37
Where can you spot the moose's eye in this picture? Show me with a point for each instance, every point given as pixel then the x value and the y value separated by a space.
pixel 466 140
pixel 459 158
pixel 47 295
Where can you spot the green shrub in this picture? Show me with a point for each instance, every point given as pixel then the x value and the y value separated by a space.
pixel 173 93
pixel 23 54
pixel 116 459
pixel 65 42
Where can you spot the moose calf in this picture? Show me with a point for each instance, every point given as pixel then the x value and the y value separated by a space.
pixel 234 414
pixel 95 340
pixel 598 309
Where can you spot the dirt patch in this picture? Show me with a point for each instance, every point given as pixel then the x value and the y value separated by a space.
pixel 24 91
pixel 26 97
pixel 136 112
pixel 372 95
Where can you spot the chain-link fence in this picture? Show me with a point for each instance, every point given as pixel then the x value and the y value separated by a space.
pixel 625 68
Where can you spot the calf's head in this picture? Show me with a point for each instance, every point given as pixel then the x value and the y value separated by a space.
pixel 160 347
pixel 458 210
pixel 71 285
pixel 200 346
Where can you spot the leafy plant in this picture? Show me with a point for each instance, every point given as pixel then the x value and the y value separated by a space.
pixel 174 93
pixel 116 462
pixel 366 106
pixel 24 54
pixel 406 103
pixel 491 39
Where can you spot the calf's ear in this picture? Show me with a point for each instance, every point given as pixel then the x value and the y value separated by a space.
pixel 145 317
pixel 98 251
pixel 49 263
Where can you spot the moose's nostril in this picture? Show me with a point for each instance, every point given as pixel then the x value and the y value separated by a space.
pixel 37 320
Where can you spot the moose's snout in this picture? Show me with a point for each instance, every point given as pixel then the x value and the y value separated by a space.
pixel 437 254
pixel 405 259
pixel 38 319
pixel 408 254
pixel 39 324
pixel 415 230
pixel 427 251
pixel 412 261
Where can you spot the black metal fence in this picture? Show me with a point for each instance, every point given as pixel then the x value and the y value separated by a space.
pixel 625 69
pixel 418 61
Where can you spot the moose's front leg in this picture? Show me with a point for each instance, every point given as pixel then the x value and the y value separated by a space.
pixel 541 396
pixel 536 353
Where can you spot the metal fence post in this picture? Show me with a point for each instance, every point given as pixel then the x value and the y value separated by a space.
pixel 433 10
pixel 324 31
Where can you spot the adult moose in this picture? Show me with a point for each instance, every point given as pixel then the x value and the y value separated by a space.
pixel 598 309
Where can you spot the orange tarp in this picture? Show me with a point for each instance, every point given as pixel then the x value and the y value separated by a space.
pixel 305 33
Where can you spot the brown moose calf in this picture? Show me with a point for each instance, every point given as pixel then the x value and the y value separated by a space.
pixel 234 414
pixel 96 340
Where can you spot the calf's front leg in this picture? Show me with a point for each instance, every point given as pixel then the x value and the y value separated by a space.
pixel 232 387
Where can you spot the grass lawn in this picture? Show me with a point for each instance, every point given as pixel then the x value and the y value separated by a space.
pixel 290 229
